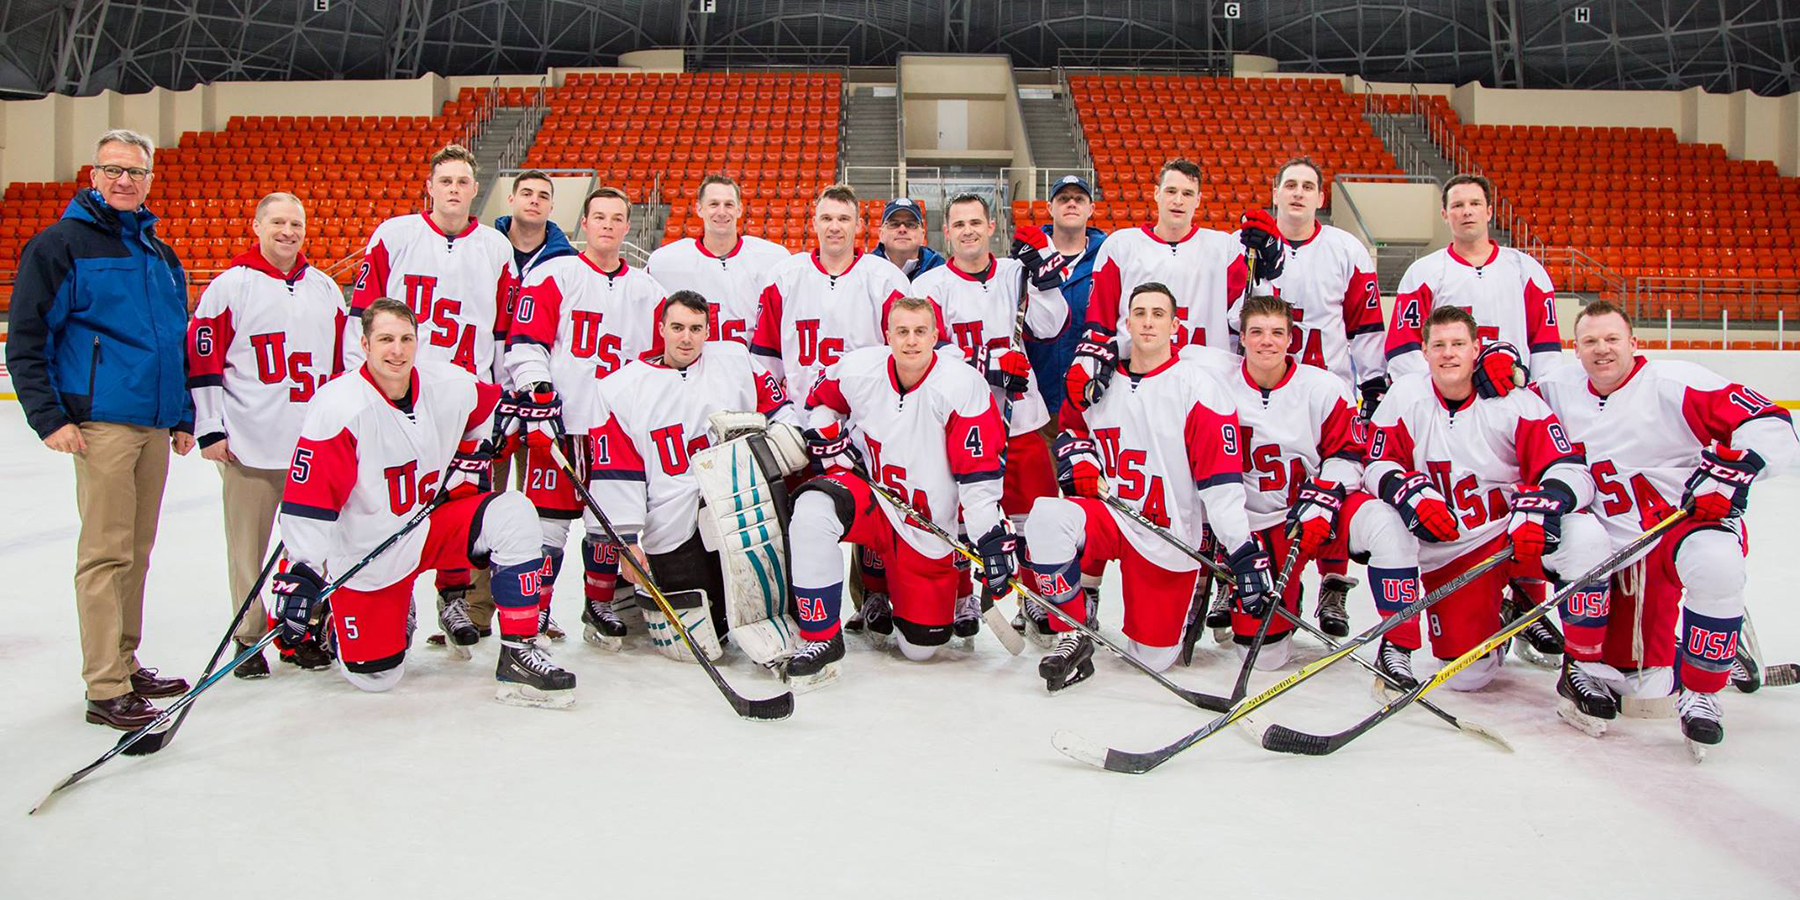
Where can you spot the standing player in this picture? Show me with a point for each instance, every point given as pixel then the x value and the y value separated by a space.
pixel 651 417
pixel 1303 468
pixel 1662 434
pixel 579 319
pixel 371 451
pixel 1174 452
pixel 1071 206
pixel 903 239
pixel 452 272
pixel 265 335
pixel 930 433
pixel 727 268
pixel 1444 438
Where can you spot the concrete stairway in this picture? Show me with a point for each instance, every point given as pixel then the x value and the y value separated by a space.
pixel 490 143
pixel 1052 134
pixel 871 138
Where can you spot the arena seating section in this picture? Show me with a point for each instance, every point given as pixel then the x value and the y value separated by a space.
pixel 775 133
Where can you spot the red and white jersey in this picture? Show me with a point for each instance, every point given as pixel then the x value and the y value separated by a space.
pixel 259 345
pixel 981 310
pixel 938 446
pixel 732 284
pixel 652 418
pixel 1509 295
pixel 455 284
pixel 809 318
pixel 575 325
pixel 1329 280
pixel 1644 439
pixel 1303 427
pixel 365 465
pixel 1174 452
pixel 1205 269
pixel 1477 453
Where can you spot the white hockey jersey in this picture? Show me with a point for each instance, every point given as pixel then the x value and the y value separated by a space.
pixel 1477 453
pixel 454 283
pixel 575 325
pixel 1329 280
pixel 1644 439
pixel 938 446
pixel 363 467
pixel 981 310
pixel 732 284
pixel 809 319
pixel 1205 269
pixel 259 345
pixel 1509 294
pixel 1173 451
pixel 652 418
pixel 1303 427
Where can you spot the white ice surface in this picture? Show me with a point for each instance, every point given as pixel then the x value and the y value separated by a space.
pixel 902 780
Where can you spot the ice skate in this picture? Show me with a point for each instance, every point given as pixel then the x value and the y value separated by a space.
pixel 1070 662
pixel 1701 722
pixel 528 678
pixel 601 626
pixel 547 627
pixel 453 620
pixel 878 621
pixel 967 622
pixel 1587 702
pixel 1394 661
pixel 1333 619
pixel 815 664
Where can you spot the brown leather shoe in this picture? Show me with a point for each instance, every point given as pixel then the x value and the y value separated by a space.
pixel 126 713
pixel 146 683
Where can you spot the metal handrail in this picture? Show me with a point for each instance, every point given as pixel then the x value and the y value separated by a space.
pixel 1356 214
pixel 1752 290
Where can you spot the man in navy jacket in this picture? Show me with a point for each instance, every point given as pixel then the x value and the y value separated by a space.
pixel 95 343
pixel 1071 205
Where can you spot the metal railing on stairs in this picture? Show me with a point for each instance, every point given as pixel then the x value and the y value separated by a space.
pixel 524 134
pixel 1083 152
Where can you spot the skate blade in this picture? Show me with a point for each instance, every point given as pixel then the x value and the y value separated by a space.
pixel 1582 722
pixel 1221 635
pixel 460 651
pixel 1384 693
pixel 1082 673
pixel 515 694
pixel 1696 750
pixel 813 682
pixel 1522 649
pixel 604 641
pixel 878 641
pixel 1647 707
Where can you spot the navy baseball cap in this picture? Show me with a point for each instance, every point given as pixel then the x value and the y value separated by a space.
pixel 1074 181
pixel 903 204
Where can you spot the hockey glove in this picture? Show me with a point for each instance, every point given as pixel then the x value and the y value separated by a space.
pixel 1313 517
pixel 297 593
pixel 1422 509
pixel 1009 370
pixel 1372 391
pixel 1078 470
pixel 999 550
pixel 540 410
pixel 832 447
pixel 1535 526
pixel 1720 485
pixel 471 470
pixel 1256 229
pixel 1092 369
pixel 1043 265
pixel 1499 369
pixel 1250 566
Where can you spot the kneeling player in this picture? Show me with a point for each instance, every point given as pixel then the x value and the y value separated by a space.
pixel 1303 467
pixel 930 433
pixel 372 448
pixel 653 417
pixel 1460 434
pixel 1174 452
pixel 1662 433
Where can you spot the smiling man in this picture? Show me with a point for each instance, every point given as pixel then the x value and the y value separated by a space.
pixel 726 267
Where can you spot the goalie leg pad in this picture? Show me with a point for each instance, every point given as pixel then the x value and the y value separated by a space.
pixel 694 608
pixel 743 520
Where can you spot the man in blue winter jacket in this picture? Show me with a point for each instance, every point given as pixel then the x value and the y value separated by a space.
pixel 903 239
pixel 1071 205
pixel 95 342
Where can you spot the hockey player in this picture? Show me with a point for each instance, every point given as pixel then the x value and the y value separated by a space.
pixel 1447 437
pixel 927 429
pixel 1661 434
pixel 1070 207
pixel 727 268
pixel 1173 450
pixel 652 418
pixel 266 334
pixel 372 449
pixel 579 319
pixel 1204 268
pixel 1303 466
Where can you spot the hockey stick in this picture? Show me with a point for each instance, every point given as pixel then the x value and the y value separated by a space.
pixel 143 748
pixel 1286 740
pixel 1081 749
pixel 1777 675
pixel 767 709
pixel 1474 728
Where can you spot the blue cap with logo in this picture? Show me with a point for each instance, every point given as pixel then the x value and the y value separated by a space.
pixel 903 204
pixel 1074 181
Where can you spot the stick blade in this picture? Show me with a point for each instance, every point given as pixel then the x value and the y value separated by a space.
pixel 1283 739
pixel 1002 630
pixel 1080 749
pixel 146 744
pixel 1781 675
pixel 767 709
pixel 1476 729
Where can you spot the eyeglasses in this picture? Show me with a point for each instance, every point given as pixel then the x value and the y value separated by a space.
pixel 114 172
pixel 903 223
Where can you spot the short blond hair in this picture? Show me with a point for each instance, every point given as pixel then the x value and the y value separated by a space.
pixel 455 153
pixel 278 197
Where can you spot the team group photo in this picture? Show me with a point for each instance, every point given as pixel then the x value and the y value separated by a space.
pixel 1198 460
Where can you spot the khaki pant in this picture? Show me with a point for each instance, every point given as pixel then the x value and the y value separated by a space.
pixel 118 491
pixel 252 497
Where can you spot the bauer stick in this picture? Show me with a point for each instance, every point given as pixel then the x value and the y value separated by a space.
pixel 767 709
pixel 1473 728
pixel 1286 740
pixel 1081 749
